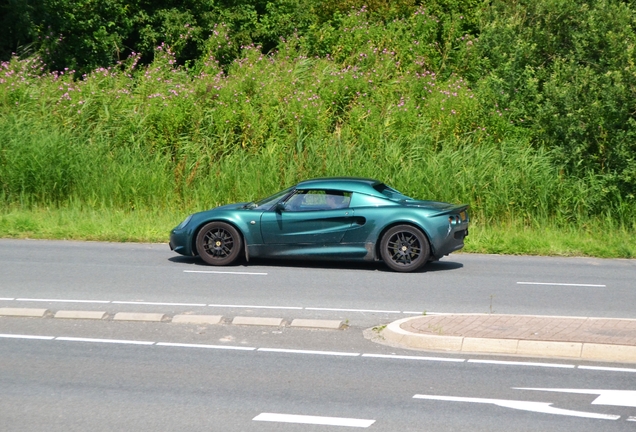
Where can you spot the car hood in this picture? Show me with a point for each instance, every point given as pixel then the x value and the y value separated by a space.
pixel 233 206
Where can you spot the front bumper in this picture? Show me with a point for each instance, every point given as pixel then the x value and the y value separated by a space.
pixel 180 242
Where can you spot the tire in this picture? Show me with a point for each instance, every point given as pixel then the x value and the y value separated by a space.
pixel 219 243
pixel 404 248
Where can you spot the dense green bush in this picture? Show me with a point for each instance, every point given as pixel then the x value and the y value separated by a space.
pixel 566 69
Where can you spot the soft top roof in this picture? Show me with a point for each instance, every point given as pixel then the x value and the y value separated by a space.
pixel 348 184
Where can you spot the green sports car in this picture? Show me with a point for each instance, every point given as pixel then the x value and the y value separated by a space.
pixel 328 219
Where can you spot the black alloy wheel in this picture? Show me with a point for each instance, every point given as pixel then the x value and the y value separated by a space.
pixel 219 243
pixel 404 248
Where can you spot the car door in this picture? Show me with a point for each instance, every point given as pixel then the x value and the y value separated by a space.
pixel 309 218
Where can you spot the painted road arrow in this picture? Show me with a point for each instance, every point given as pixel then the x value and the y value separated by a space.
pixel 626 398
pixel 540 407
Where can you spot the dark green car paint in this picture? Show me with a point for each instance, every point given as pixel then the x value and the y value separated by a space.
pixel 353 232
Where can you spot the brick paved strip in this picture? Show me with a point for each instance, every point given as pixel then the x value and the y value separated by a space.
pixel 96 315
pixel 197 319
pixel 23 312
pixel 419 333
pixel 615 331
pixel 137 316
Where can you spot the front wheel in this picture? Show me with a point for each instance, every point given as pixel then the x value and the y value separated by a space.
pixel 219 243
pixel 404 248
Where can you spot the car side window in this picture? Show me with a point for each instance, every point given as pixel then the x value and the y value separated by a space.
pixel 318 199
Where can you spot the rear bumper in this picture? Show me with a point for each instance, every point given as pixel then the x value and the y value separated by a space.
pixel 454 241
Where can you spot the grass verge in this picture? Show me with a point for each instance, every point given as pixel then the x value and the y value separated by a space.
pixel 595 239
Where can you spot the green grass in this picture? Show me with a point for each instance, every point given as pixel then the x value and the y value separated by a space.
pixel 86 224
pixel 74 223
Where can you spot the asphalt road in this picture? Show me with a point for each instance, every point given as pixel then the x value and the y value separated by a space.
pixel 175 379
pixel 104 375
pixel 461 283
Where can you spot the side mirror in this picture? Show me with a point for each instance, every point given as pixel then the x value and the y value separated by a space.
pixel 280 207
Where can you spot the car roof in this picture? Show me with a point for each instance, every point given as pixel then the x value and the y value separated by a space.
pixel 349 184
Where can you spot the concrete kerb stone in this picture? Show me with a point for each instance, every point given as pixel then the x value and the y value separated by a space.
pixel 137 316
pixel 257 321
pixel 95 315
pixel 317 323
pixel 616 353
pixel 393 333
pixel 197 319
pixel 535 348
pixel 23 312
pixel 177 319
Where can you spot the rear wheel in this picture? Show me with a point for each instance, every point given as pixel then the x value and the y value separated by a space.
pixel 219 243
pixel 404 248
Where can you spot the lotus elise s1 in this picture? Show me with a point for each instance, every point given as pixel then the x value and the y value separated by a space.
pixel 327 219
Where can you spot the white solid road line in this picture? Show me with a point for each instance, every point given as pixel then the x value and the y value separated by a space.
pixel 293 351
pixel 316 420
pixel 225 347
pixel 157 303
pixel 607 369
pixel 61 300
pixel 561 284
pixel 402 357
pixel 226 272
pixel 540 407
pixel 18 336
pixel 534 364
pixel 255 307
pixel 350 310
pixel 111 341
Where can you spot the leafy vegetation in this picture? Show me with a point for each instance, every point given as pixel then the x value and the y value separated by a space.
pixel 141 112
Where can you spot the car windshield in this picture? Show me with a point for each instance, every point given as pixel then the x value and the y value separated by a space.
pixel 391 193
pixel 268 203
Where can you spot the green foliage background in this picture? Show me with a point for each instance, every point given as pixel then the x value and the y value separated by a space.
pixel 523 109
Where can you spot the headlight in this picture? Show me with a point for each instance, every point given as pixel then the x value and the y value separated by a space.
pixel 184 223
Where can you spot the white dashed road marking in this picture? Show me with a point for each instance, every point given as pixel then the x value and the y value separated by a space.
pixel 157 303
pixel 561 284
pixel 112 341
pixel 18 336
pixel 292 351
pixel 228 306
pixel 401 357
pixel 225 272
pixel 305 419
pixel 307 352
pixel 62 300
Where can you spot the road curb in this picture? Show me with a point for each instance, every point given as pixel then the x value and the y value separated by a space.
pixel 23 312
pixel 176 319
pixel 395 334
pixel 138 316
pixel 257 321
pixel 316 323
pixel 197 319
pixel 94 315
